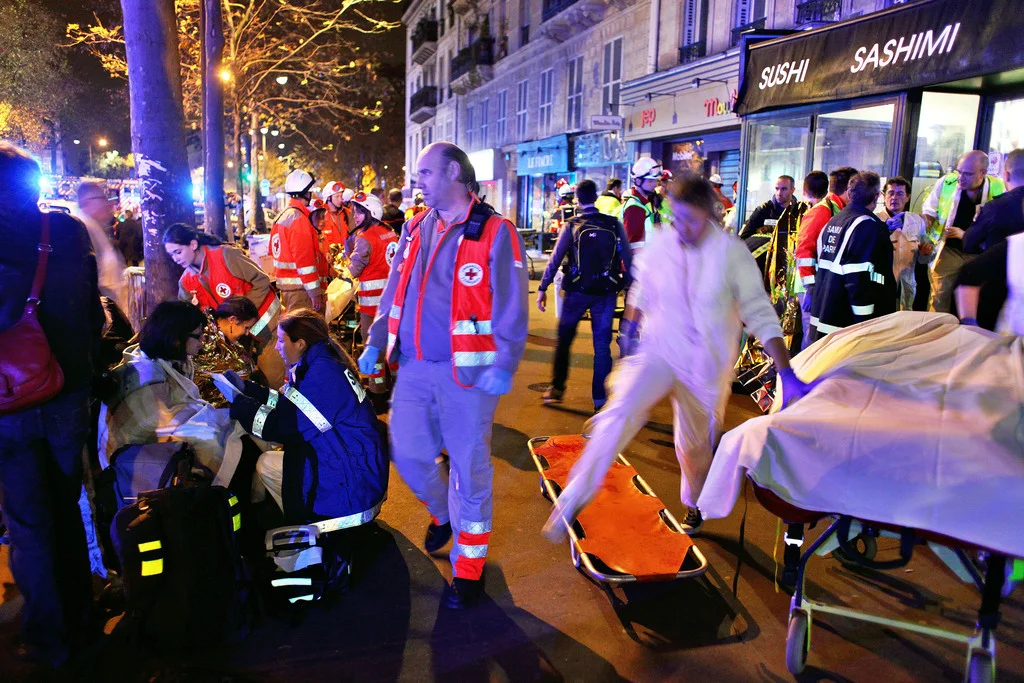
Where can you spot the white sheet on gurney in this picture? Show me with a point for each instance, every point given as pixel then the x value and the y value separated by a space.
pixel 917 422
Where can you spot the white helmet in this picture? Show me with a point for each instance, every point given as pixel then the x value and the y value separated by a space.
pixel 646 167
pixel 332 188
pixel 715 179
pixel 347 195
pixel 564 188
pixel 298 182
pixel 370 203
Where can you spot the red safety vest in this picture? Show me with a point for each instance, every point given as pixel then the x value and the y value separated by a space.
pixel 471 333
pixel 222 283
pixel 383 245
pixel 295 248
pixel 333 230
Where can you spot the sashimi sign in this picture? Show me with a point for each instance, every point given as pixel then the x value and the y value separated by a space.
pixel 916 45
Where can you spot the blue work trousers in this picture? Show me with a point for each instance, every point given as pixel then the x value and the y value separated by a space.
pixel 602 314
pixel 40 482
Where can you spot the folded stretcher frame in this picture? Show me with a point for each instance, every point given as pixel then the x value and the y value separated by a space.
pixel 853 542
pixel 625 534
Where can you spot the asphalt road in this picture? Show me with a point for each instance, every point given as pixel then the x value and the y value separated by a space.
pixel 542 620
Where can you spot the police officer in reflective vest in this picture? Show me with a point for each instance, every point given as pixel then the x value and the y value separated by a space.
pixel 454 315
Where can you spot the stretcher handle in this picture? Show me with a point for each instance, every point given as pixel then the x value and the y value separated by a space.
pixel 907 540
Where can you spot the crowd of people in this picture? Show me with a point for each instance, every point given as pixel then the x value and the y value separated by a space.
pixel 442 301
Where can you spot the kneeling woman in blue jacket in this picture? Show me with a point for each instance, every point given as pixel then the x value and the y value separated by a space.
pixel 335 463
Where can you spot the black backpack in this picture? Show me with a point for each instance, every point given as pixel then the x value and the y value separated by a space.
pixel 185 581
pixel 595 266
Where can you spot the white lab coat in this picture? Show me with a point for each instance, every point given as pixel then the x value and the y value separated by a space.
pixel 695 302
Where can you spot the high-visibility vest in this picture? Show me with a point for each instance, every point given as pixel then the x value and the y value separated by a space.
pixel 333 230
pixel 221 283
pixel 949 201
pixel 383 245
pixel 472 338
pixel 631 199
pixel 295 248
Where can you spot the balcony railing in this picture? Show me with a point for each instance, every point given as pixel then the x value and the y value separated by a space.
pixel 424 41
pixel 692 52
pixel 553 7
pixel 818 12
pixel 423 103
pixel 480 53
pixel 746 28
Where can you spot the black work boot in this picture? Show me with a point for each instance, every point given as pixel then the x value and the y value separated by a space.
pixel 437 536
pixel 463 593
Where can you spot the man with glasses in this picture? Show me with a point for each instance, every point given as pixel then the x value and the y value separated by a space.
pixel 911 246
pixel 949 210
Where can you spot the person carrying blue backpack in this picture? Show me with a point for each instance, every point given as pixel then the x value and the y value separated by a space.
pixel 597 266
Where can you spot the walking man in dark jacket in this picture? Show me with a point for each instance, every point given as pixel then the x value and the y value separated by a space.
pixel 855 280
pixel 41 447
pixel 599 261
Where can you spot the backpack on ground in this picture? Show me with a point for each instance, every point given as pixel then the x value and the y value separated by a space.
pixel 595 266
pixel 184 577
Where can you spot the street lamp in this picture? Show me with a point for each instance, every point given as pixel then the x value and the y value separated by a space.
pixel 275 132
pixel 282 80
pixel 102 142
pixel 280 146
pixel 225 75
pixel 77 141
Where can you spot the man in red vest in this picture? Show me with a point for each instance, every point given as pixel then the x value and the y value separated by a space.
pixel 454 315
pixel 301 268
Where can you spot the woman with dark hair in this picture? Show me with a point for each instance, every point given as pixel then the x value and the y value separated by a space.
pixel 236 317
pixel 334 463
pixel 213 273
pixel 154 389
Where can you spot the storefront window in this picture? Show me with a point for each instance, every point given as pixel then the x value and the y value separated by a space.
pixel 945 131
pixel 1007 133
pixel 775 147
pixel 861 138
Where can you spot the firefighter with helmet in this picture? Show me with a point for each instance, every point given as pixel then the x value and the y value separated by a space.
pixel 638 209
pixel 299 265
pixel 418 205
pixel 370 252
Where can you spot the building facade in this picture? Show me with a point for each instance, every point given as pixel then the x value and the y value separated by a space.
pixel 539 90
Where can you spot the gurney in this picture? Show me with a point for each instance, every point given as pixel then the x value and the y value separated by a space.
pixel 916 430
pixel 626 534
pixel 854 543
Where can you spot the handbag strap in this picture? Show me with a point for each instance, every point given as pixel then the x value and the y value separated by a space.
pixel 45 248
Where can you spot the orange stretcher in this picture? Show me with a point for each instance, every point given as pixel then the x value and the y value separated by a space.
pixel 626 534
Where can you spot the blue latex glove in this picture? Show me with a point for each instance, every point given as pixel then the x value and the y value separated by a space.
pixel 896 222
pixel 368 360
pixel 495 381
pixel 628 339
pixel 792 388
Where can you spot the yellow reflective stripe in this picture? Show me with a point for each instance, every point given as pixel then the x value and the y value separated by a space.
pixel 236 521
pixel 151 545
pixel 265 319
pixel 232 501
pixel 152 567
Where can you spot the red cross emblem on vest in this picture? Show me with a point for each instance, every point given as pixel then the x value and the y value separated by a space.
pixel 471 274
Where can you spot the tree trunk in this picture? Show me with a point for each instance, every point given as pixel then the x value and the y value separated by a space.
pixel 236 155
pixel 213 119
pixel 258 221
pixel 158 136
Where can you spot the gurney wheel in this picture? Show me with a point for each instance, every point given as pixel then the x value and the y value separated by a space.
pixel 866 545
pixel 798 642
pixel 982 668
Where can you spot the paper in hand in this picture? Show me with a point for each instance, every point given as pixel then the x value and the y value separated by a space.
pixel 225 386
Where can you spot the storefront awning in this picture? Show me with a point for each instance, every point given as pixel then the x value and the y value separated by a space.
pixel 916 45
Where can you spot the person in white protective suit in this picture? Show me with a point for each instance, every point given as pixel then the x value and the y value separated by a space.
pixel 696 288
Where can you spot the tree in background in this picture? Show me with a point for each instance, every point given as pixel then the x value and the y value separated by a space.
pixel 158 135
pixel 298 67
pixel 31 63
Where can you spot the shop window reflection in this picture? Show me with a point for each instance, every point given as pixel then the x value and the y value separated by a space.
pixel 777 147
pixel 861 138
pixel 945 130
